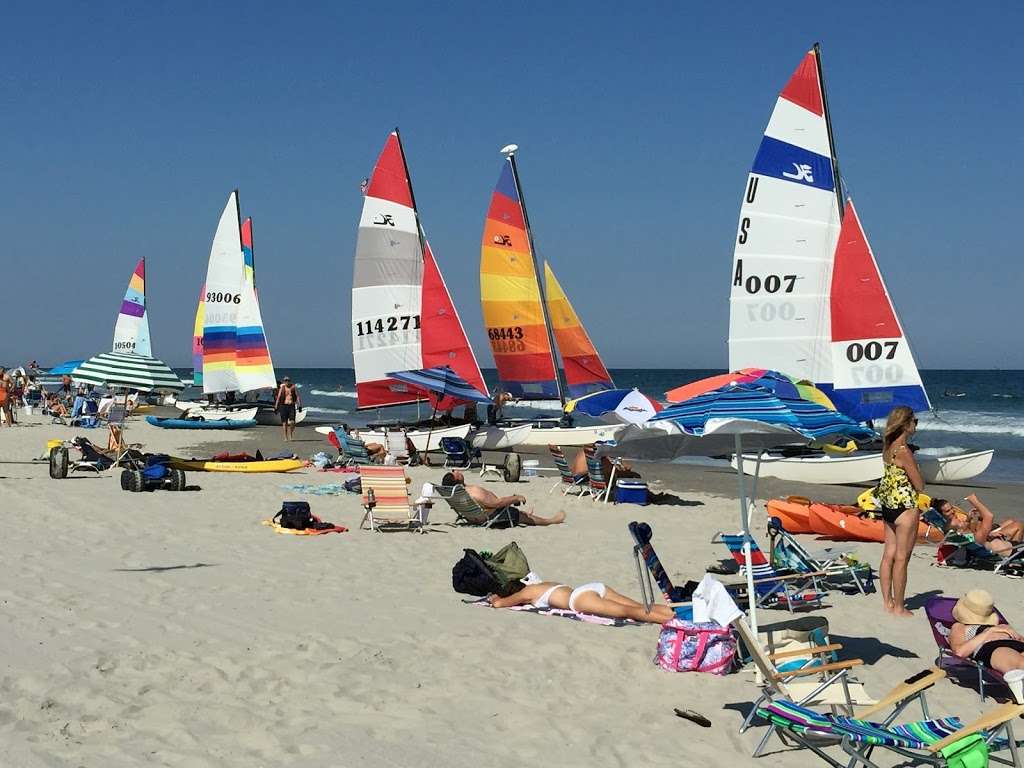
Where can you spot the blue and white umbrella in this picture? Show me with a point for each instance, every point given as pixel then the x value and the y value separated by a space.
pixel 616 406
pixel 441 382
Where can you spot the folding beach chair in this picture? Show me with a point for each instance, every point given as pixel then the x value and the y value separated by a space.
pixel 774 588
pixel 352 450
pixel 397 446
pixel 468 511
pixel 959 550
pixel 385 497
pixel 458 453
pixel 939 611
pixel 568 481
pixel 84 413
pixel 841 570
pixel 648 566
pixel 597 484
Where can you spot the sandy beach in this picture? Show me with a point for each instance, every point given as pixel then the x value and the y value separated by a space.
pixel 173 629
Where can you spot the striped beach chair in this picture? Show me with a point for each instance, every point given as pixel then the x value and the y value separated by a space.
pixel 468 511
pixel 386 499
pixel 773 588
pixel 597 484
pixel 841 570
pixel 568 481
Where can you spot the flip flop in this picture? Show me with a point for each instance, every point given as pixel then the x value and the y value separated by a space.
pixel 693 717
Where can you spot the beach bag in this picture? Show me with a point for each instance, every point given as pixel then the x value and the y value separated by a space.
pixel 295 515
pixel 354 485
pixel 471 576
pixel 509 566
pixel 684 646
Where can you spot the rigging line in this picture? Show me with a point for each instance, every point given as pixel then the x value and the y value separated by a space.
pixel 954 428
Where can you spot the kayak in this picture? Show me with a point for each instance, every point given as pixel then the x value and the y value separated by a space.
pixel 200 423
pixel 794 513
pixel 201 465
pixel 844 523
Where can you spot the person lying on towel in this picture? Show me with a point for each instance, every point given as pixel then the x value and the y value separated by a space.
pixel 491 502
pixel 594 598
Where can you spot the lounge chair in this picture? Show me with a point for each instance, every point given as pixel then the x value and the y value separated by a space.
pixel 352 451
pixel 840 571
pixel 943 742
pixel 385 492
pixel 568 481
pixel 468 511
pixel 597 484
pixel 959 550
pixel 84 413
pixel 458 453
pixel 775 588
pixel 939 611
pixel 397 445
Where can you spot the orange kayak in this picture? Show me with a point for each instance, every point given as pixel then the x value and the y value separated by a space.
pixel 844 523
pixel 794 513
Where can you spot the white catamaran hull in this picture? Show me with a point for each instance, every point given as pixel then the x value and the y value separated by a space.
pixel 866 468
pixel 215 414
pixel 493 438
pixel 418 436
pixel 541 436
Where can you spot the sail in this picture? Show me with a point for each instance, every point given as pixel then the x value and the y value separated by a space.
pixel 443 338
pixel 222 300
pixel 873 366
pixel 197 341
pixel 131 331
pixel 253 366
pixel 386 284
pixel 584 370
pixel 511 299
pixel 788 227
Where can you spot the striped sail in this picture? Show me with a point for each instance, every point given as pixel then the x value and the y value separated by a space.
pixel 511 299
pixel 222 300
pixel 873 366
pixel 584 370
pixel 788 227
pixel 131 331
pixel 387 282
pixel 443 338
pixel 253 366
pixel 197 340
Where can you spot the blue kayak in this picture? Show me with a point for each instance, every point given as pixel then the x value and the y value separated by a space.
pixel 201 423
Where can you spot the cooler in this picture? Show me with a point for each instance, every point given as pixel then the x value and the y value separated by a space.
pixel 630 492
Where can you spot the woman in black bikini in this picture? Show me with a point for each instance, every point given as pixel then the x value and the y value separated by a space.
pixel 897 491
pixel 978 634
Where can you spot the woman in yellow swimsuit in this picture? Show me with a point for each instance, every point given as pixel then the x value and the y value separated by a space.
pixel 897 491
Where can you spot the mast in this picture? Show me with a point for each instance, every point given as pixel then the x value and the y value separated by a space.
pixel 837 181
pixel 510 153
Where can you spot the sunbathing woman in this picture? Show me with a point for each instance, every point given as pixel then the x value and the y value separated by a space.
pixel 594 598
pixel 980 522
pixel 978 634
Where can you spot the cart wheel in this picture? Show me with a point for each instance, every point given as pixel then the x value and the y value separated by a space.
pixel 136 483
pixel 59 462
pixel 512 468
pixel 126 480
pixel 177 480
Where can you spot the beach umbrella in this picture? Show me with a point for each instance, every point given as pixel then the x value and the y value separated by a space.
pixel 731 419
pixel 444 388
pixel 118 370
pixel 779 383
pixel 616 406
pixel 64 368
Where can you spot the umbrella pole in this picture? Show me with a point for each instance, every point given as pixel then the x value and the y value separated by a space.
pixel 426 447
pixel 745 525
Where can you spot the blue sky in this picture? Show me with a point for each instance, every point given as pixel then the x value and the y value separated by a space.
pixel 125 126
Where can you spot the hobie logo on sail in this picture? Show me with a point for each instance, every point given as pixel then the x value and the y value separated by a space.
pixel 384 220
pixel 804 172
pixel 502 240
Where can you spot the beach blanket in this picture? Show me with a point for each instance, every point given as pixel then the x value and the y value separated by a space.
pixel 329 489
pixel 587 618
pixel 307 532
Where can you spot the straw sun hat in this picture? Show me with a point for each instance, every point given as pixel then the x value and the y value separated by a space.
pixel 976 607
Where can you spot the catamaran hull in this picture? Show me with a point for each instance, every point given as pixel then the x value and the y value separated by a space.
pixel 216 414
pixel 492 438
pixel 418 436
pixel 843 470
pixel 541 436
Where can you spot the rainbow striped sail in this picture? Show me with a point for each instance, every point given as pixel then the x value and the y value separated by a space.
pixel 584 371
pixel 510 295
pixel 872 362
pixel 253 366
pixel 197 341
pixel 131 331
pixel 222 300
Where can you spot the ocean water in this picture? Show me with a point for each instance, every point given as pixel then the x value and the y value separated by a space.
pixel 989 414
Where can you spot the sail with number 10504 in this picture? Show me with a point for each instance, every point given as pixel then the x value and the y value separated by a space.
pixel 131 331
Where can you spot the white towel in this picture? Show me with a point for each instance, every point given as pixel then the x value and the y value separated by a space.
pixel 711 602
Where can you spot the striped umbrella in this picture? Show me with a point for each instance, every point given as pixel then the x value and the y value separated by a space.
pixel 443 384
pixel 127 371
pixel 777 382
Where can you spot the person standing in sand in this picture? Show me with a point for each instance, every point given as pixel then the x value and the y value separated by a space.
pixel 286 403
pixel 897 491
pixel 6 387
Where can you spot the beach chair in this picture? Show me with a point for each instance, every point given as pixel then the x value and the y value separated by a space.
pixel 352 451
pixel 597 484
pixel 943 742
pixel 396 445
pixel 841 571
pixel 385 497
pixel 84 413
pixel 959 550
pixel 458 453
pixel 468 511
pixel 567 480
pixel 774 588
pixel 648 567
pixel 939 611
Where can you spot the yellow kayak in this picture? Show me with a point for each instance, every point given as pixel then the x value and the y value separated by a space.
pixel 278 465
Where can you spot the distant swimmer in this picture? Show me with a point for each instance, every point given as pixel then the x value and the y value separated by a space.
pixel 954 393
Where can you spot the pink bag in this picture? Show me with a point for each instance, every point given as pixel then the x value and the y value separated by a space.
pixel 687 647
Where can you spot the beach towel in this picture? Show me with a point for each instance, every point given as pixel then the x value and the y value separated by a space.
pixel 711 602
pixel 329 489
pixel 307 532
pixel 586 618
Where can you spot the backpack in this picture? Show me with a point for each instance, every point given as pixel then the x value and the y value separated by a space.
pixel 685 646
pixel 296 515
pixel 471 576
pixel 482 574
pixel 508 565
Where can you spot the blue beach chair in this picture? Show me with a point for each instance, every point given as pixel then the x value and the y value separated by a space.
pixel 773 588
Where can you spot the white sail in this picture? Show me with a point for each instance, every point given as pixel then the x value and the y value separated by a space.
pixel 131 331
pixel 222 301
pixel 786 239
